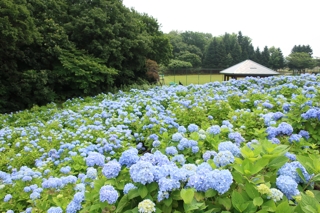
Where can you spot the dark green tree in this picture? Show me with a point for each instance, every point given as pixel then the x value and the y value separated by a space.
pixel 194 59
pixel 300 61
pixel 265 57
pixel 17 30
pixel 257 55
pixel 210 59
pixel 302 48
pixel 236 53
pixel 276 60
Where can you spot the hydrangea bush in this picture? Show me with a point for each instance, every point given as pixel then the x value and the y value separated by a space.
pixel 246 145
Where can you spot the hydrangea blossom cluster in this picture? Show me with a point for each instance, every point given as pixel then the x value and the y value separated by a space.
pixel 229 146
pixel 129 157
pixel 95 158
pixel 55 210
pixel 236 137
pixel 287 185
pixel 146 206
pixel 111 169
pixel 109 194
pixel 128 187
pixel 290 169
pixel 208 155
pixel 223 158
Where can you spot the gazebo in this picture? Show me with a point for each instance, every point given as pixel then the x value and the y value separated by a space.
pixel 247 68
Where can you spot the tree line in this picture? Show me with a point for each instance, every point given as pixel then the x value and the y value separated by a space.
pixel 202 50
pixel 58 49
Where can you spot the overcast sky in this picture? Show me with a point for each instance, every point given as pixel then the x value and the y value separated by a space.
pixel 279 23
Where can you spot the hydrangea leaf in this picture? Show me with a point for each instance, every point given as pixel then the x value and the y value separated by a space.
pixel 187 195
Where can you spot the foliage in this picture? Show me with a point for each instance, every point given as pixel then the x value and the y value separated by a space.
pixel 238 146
pixel 57 49
pixel 302 49
pixel 300 61
pixel 177 64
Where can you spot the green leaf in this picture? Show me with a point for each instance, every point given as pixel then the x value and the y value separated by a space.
pixel 210 193
pixel 307 162
pixel 283 207
pixel 95 207
pixel 187 195
pixel 199 196
pixel 133 193
pixel 143 191
pixel 251 191
pixel 237 176
pixel 269 206
pixel 152 187
pixel 176 195
pixel 238 201
pixel 168 201
pixel 122 203
pixel 309 201
pixel 225 201
pixel 257 201
pixel 278 162
pixel 259 165
pixel 301 175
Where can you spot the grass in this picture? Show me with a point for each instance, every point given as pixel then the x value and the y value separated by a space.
pixel 192 79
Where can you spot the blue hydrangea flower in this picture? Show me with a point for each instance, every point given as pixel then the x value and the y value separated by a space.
pixel 221 180
pixel 80 187
pixel 95 158
pixel 156 143
pixel 229 146
pixel 179 158
pixel 34 195
pixel 195 149
pixel 304 134
pixel 291 156
pixel 73 207
pixel 214 130
pixel 311 113
pixel 111 169
pixel 267 105
pixel 193 128
pixel 236 136
pixel 7 197
pixel 171 150
pixel 290 169
pixel 285 128
pixel 208 154
pixel 65 170
pixel 92 173
pixel 168 184
pixel 176 137
pixel 55 210
pixel 182 129
pixel 128 187
pixel 129 157
pixel 287 186
pixel 109 194
pixel 53 183
pixel 275 141
pixel 295 138
pixel 272 132
pixel 142 172
pixel 223 158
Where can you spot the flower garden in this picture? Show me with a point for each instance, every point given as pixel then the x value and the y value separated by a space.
pixel 248 145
